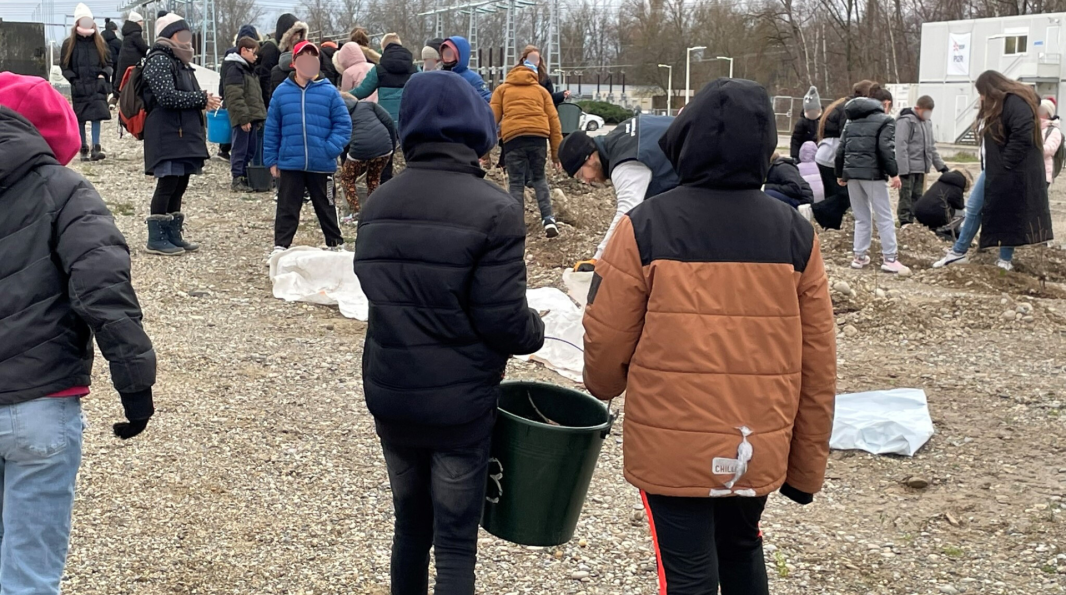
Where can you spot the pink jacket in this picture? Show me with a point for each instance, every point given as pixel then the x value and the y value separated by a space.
pixel 351 61
pixel 1052 140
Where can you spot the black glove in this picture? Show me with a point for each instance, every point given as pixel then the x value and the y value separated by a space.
pixel 944 170
pixel 796 496
pixel 139 410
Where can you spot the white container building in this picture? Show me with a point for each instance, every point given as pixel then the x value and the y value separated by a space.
pixel 1027 48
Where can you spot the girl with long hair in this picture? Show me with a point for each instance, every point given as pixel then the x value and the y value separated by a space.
pixel 830 212
pixel 86 62
pixel 1009 202
pixel 532 55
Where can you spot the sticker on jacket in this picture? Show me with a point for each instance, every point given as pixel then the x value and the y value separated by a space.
pixel 736 467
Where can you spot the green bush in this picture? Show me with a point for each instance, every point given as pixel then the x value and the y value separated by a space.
pixel 611 113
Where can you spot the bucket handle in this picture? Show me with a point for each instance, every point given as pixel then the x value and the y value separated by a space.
pixel 612 415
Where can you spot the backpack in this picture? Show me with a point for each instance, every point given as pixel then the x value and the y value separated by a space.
pixel 131 108
pixel 1060 154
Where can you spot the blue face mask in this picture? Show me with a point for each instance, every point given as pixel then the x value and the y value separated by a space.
pixel 530 65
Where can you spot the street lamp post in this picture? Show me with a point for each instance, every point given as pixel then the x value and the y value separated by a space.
pixel 688 69
pixel 669 86
pixel 730 64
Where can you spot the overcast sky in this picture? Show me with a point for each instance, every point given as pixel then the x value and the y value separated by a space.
pixel 23 10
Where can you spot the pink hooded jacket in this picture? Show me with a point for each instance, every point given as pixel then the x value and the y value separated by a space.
pixel 1052 140
pixel 352 63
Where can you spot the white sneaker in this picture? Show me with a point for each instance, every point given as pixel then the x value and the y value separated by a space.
pixel 860 262
pixel 895 267
pixel 1006 265
pixel 807 212
pixel 276 250
pixel 550 228
pixel 952 257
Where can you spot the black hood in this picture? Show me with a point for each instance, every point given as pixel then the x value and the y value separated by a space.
pixel 285 22
pixel 724 138
pixel 108 34
pixel 954 178
pixel 860 107
pixel 784 161
pixel 908 112
pixel 21 148
pixel 130 27
pixel 397 59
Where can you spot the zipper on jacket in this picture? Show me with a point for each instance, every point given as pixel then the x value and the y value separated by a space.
pixel 303 114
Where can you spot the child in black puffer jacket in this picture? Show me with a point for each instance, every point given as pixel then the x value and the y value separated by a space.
pixel 944 201
pixel 785 183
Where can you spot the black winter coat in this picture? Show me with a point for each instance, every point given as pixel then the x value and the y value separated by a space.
pixel 784 177
pixel 937 206
pixel 835 121
pixel 557 98
pixel 114 44
pixel 133 49
pixel 867 149
pixel 373 131
pixel 88 92
pixel 326 67
pixel 805 130
pixel 395 67
pixel 280 73
pixel 446 280
pixel 1016 211
pixel 65 278
pixel 175 127
pixel 269 54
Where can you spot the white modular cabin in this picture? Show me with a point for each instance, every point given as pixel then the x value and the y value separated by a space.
pixel 1027 48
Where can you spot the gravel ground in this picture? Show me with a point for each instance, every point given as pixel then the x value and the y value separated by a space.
pixel 261 472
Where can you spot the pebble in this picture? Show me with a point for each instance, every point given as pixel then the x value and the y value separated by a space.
pixel 1009 315
pixel 881 293
pixel 579 575
pixel 850 331
pixel 842 287
pixel 948 590
pixel 918 483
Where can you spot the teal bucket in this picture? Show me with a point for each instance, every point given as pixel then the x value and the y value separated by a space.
pixel 218 129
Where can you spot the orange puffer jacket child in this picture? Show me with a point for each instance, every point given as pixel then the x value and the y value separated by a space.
pixel 711 306
pixel 525 108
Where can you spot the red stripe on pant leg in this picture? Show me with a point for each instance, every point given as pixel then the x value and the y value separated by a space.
pixel 655 542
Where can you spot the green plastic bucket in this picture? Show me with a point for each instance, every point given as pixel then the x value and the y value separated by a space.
pixel 544 450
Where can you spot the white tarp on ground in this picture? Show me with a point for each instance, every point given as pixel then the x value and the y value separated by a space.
pixel 305 274
pixel 882 422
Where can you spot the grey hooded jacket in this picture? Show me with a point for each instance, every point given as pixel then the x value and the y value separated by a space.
pixel 915 150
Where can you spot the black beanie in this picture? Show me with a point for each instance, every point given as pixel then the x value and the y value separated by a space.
pixel 161 14
pixel 575 150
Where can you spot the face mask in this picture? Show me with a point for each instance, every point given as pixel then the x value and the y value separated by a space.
pixel 86 27
pixel 308 66
pixel 530 65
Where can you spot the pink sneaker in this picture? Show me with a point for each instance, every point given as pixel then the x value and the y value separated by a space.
pixel 895 267
pixel 860 262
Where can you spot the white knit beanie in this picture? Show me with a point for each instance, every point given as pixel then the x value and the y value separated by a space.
pixel 1048 106
pixel 165 21
pixel 82 12
pixel 135 17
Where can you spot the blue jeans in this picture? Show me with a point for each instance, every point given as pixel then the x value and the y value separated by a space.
pixel 40 452
pixel 438 497
pixel 972 223
pixel 95 127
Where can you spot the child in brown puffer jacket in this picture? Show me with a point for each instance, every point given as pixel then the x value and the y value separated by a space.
pixel 527 118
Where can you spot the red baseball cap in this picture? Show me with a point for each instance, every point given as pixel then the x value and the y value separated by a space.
pixel 303 46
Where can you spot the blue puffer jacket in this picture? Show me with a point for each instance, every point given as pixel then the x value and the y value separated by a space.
pixel 306 128
pixel 462 67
